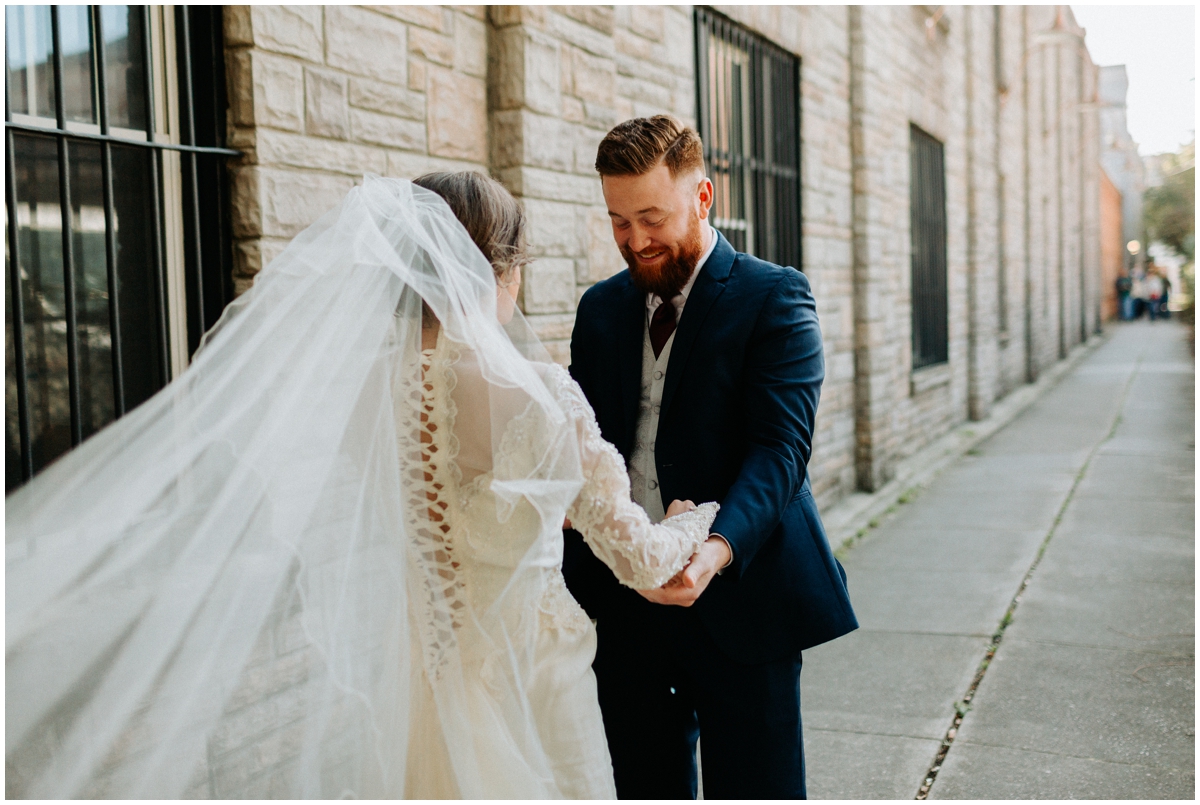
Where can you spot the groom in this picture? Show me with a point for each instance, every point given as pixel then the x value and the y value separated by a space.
pixel 704 367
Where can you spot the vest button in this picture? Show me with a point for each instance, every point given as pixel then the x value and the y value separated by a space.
pixel 654 484
pixel 658 375
pixel 657 408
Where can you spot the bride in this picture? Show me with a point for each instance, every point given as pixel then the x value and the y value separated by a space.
pixel 325 561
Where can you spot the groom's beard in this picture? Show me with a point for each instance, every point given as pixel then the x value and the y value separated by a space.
pixel 667 280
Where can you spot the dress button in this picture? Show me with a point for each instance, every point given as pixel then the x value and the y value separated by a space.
pixel 654 484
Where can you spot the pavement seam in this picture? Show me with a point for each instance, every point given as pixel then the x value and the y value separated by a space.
pixel 963 705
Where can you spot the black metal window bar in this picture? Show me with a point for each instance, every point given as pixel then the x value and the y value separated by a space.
pixel 927 211
pixel 748 105
pixel 87 331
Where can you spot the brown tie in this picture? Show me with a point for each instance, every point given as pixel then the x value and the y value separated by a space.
pixel 662 324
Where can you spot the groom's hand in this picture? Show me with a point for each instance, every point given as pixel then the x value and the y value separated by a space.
pixel 686 588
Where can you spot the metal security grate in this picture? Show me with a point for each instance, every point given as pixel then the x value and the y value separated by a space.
pixel 87 201
pixel 927 210
pixel 748 102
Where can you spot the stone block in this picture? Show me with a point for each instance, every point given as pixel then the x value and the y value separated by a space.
pixel 601 18
pixel 552 326
pixel 458 121
pixel 648 22
pixel 548 286
pixel 524 138
pixel 532 182
pixel 592 78
pixel 416 75
pixel 435 18
pixel 387 99
pixel 571 31
pixel 603 257
pixel 587 143
pixel 541 88
pixel 312 153
pixel 572 110
pixel 278 92
pixel 365 43
pixel 291 200
pixel 407 165
pixel 291 30
pixel 241 87
pixel 325 107
pixel 470 46
pixel 370 127
pixel 237 26
pixel 601 115
pixel 431 46
pixel 553 228
pixel 245 208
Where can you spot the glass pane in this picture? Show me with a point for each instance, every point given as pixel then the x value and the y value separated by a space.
pixel 137 279
pixel 28 69
pixel 12 425
pixel 94 340
pixel 75 36
pixel 39 243
pixel 124 58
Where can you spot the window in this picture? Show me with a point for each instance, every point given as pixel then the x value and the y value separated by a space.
pixel 115 194
pixel 748 104
pixel 927 211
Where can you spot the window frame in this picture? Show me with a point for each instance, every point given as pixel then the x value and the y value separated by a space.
pixel 929 267
pixel 753 154
pixel 173 148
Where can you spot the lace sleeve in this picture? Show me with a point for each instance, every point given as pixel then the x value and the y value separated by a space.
pixel 642 555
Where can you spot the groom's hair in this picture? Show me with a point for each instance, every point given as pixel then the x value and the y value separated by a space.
pixel 636 146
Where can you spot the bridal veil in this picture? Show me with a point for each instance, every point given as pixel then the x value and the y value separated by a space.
pixel 211 597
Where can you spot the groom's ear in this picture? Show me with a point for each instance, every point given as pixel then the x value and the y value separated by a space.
pixel 704 193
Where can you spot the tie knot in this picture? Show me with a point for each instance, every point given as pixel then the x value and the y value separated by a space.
pixel 662 324
pixel 667 308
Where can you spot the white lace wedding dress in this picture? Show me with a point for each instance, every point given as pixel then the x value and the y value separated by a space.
pixel 477 551
pixel 322 563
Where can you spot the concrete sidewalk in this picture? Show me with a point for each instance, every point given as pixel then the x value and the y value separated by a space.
pixel 1070 535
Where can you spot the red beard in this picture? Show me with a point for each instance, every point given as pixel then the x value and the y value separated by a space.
pixel 668 280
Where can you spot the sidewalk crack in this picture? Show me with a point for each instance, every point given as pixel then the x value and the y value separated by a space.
pixel 963 706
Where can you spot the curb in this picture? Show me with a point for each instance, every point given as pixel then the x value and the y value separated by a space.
pixel 852 517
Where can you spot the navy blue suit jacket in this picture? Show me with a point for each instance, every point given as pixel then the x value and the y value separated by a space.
pixel 739 402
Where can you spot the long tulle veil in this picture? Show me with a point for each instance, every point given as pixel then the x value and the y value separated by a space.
pixel 232 590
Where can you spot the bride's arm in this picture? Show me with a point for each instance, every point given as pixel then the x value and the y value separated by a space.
pixel 641 554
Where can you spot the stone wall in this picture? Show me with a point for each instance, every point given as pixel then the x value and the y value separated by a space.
pixel 527 92
pixel 320 95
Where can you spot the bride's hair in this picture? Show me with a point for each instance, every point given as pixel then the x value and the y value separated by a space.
pixel 490 214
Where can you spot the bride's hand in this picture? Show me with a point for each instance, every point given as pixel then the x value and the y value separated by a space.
pixel 679 507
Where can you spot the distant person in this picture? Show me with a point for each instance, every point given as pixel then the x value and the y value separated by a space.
pixel 1124 300
pixel 1154 291
pixel 1138 294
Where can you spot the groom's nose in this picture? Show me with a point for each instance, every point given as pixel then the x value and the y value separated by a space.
pixel 639 239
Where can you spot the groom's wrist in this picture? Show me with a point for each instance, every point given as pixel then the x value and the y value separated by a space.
pixel 728 547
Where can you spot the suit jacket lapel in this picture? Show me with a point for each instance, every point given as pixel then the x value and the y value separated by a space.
pixel 629 336
pixel 709 285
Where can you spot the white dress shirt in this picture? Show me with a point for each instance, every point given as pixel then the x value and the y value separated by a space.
pixel 643 469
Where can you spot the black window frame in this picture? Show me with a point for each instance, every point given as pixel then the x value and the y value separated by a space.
pixel 928 230
pixel 761 165
pixel 205 197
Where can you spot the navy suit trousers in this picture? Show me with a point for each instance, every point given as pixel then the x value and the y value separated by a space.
pixel 656 696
